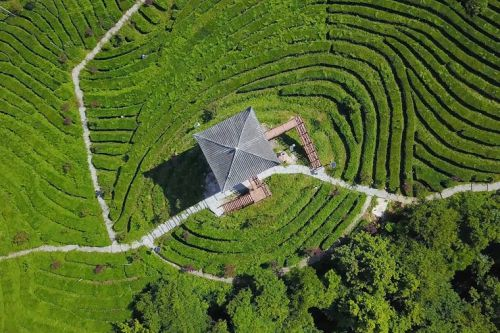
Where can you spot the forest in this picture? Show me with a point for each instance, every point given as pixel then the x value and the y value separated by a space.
pixel 432 267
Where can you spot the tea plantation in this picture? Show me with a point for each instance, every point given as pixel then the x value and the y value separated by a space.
pixel 45 190
pixel 79 292
pixel 403 95
pixel 302 216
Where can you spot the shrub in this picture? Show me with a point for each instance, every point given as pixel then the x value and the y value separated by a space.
pixel 66 168
pixel 229 270
pixel 84 212
pixel 56 264
pixel 65 107
pixel 371 228
pixel 333 192
pixel 116 40
pixel 314 251
pixel 67 121
pixel 98 269
pixel 15 7
pixel 185 235
pixel 120 236
pixel 89 32
pixel 21 237
pixel 188 268
pixel 63 58
pixel 207 115
pixel 30 5
pixel 474 7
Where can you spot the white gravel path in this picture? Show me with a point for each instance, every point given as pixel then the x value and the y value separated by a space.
pixel 380 207
pixel 149 239
pixel 75 74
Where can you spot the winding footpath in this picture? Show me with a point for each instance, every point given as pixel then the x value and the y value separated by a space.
pixel 75 75
pixel 149 239
pixel 213 202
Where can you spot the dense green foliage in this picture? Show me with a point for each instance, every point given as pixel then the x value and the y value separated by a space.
pixel 403 95
pixel 172 306
pixel 303 214
pixel 436 271
pixel 475 7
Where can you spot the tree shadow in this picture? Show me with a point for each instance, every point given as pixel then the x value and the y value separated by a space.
pixel 183 179
pixel 298 149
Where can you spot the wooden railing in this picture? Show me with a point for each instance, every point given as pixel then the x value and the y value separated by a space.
pixel 258 191
pixel 307 143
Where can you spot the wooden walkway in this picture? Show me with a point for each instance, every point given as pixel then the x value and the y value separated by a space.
pixel 307 143
pixel 258 191
pixel 312 154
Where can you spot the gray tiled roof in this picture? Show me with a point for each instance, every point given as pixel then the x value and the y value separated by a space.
pixel 236 149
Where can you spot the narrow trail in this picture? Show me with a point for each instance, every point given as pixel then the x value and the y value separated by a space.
pixel 198 273
pixel 75 75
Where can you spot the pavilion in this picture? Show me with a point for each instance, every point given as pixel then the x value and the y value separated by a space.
pixel 236 149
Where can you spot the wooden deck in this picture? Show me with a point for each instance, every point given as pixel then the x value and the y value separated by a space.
pixel 297 123
pixel 258 192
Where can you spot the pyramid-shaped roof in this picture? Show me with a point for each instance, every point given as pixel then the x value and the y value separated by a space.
pixel 236 149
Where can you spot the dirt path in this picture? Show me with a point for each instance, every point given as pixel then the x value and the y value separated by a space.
pixel 75 74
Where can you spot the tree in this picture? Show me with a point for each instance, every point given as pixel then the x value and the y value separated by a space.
pixel 369 277
pixel 220 327
pixel 262 307
pixel 305 291
pixel 134 326
pixel 435 271
pixel 172 306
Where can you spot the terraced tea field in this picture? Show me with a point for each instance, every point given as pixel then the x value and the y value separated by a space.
pixel 303 215
pixel 403 95
pixel 63 292
pixel 45 188
pixel 422 75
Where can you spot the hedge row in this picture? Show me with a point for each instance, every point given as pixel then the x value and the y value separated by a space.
pixel 47 184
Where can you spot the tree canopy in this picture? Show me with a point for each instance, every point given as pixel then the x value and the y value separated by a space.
pixel 435 270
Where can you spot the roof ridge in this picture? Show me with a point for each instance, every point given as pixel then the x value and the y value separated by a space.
pixel 197 135
pixel 249 111
pixel 236 150
pixel 259 156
